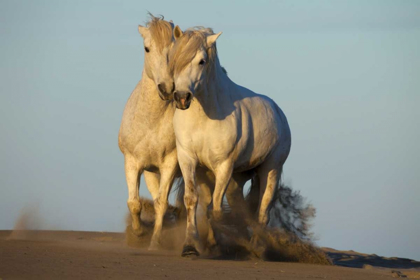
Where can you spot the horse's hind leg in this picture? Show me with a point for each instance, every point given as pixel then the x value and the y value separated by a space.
pixel 238 206
pixel 152 182
pixel 132 175
pixel 269 179
pixel 235 195
pixel 269 176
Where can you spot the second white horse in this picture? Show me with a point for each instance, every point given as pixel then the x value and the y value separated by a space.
pixel 222 126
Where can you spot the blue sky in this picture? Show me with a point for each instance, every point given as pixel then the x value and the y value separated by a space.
pixel 346 73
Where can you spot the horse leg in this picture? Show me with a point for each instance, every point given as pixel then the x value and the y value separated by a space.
pixel 167 175
pixel 223 175
pixel 132 175
pixel 152 182
pixel 235 198
pixel 269 180
pixel 188 168
pixel 204 201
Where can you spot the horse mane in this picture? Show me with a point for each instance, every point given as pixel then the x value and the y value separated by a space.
pixel 161 31
pixel 186 47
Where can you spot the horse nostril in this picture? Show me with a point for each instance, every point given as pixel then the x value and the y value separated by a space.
pixel 182 98
pixel 162 88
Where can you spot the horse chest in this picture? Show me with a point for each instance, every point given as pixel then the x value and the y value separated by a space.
pixel 151 146
pixel 213 145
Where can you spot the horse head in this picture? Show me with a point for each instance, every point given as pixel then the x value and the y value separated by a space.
pixel 192 62
pixel 158 39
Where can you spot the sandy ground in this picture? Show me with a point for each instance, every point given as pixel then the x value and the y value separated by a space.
pixel 103 255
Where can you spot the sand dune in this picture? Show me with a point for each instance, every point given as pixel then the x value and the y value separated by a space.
pixel 90 255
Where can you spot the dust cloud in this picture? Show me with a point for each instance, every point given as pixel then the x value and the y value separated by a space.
pixel 287 238
pixel 28 223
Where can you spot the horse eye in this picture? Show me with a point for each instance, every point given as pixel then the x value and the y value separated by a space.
pixel 202 62
pixel 146 49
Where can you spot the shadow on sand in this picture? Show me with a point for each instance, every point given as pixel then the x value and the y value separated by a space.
pixel 359 260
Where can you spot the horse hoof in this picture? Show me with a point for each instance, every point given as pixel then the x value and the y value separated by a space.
pixel 189 251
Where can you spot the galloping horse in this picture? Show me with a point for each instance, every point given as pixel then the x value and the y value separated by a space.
pixel 221 126
pixel 146 136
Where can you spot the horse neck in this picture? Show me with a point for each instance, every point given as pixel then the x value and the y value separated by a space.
pixel 218 89
pixel 148 101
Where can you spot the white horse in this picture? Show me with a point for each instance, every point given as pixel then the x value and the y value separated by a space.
pixel 146 136
pixel 226 129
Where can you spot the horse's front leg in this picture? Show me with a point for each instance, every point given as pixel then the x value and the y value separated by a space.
pixel 188 168
pixel 223 174
pixel 205 197
pixel 167 174
pixel 132 175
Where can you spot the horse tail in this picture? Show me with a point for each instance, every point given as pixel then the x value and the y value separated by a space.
pixel 179 198
pixel 252 198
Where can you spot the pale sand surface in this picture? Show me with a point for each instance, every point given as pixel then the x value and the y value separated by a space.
pixel 104 255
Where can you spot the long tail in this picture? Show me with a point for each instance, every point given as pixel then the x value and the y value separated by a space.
pixel 291 212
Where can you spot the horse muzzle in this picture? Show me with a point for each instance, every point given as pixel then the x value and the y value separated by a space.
pixel 163 93
pixel 183 99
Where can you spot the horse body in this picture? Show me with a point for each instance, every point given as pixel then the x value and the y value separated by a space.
pixel 226 128
pixel 242 136
pixel 254 120
pixel 146 132
pixel 146 136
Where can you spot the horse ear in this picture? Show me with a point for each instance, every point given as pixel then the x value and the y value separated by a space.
pixel 212 39
pixel 177 32
pixel 144 31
